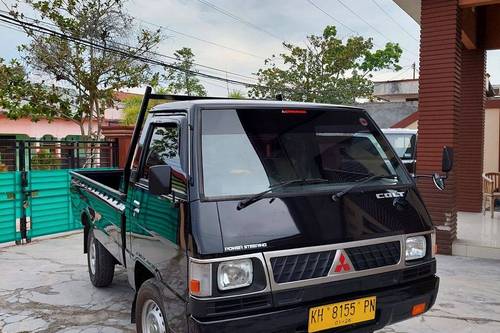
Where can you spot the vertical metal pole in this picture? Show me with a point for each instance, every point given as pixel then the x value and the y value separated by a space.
pixel 29 156
pixel 22 157
pixel 115 153
pixel 92 149
pixel 70 155
pixel 76 151
pixel 24 185
pixel 135 138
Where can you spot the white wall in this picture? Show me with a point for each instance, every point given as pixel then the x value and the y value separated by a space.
pixel 491 140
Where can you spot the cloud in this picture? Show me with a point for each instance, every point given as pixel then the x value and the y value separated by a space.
pixel 291 20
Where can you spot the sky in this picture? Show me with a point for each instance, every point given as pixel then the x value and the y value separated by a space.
pixel 238 35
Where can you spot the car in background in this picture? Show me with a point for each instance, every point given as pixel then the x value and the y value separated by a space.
pixel 404 142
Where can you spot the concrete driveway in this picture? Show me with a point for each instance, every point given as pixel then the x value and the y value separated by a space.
pixel 44 287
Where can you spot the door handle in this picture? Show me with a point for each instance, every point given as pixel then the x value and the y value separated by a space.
pixel 136 211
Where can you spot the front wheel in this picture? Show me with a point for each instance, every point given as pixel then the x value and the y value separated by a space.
pixel 149 308
pixel 100 262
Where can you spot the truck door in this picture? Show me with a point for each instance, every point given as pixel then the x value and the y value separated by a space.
pixel 156 223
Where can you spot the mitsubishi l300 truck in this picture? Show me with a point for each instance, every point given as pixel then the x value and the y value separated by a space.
pixel 260 216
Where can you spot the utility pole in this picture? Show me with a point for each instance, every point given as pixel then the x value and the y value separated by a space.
pixel 414 67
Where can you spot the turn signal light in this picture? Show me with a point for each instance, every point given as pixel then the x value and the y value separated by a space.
pixel 434 243
pixel 200 278
pixel 418 309
pixel 195 286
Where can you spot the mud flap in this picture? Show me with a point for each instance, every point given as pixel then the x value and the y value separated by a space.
pixel 132 311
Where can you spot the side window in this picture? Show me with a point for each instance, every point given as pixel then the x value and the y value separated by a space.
pixel 163 148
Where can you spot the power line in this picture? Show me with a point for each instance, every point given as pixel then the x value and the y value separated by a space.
pixel 214 84
pixel 6 26
pixel 370 25
pixel 40 29
pixel 150 52
pixel 394 20
pixel 201 39
pixel 362 19
pixel 336 20
pixel 354 31
pixel 28 28
pixel 239 19
pixel 203 66
pixel 399 74
pixel 330 16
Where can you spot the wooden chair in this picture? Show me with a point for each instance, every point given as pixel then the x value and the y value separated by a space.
pixel 491 190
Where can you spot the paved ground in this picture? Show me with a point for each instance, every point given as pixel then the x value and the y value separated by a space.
pixel 44 287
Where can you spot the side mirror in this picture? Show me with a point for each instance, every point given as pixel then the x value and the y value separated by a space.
pixel 446 166
pixel 160 180
pixel 438 181
pixel 447 163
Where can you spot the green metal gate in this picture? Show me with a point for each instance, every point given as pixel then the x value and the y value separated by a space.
pixel 50 204
pixel 9 204
pixel 35 184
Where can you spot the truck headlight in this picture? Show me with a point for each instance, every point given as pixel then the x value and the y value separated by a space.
pixel 415 247
pixel 234 274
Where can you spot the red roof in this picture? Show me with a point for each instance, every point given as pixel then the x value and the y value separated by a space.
pixel 121 95
pixel 406 121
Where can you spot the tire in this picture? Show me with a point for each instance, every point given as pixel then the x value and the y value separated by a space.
pixel 100 263
pixel 149 308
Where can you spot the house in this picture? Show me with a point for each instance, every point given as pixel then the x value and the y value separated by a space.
pixel 455 36
pixel 57 128
pixel 397 107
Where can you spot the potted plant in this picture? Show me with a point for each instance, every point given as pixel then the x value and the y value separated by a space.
pixel 3 166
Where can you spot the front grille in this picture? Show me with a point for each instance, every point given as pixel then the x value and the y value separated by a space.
pixel 237 304
pixel 417 272
pixel 302 266
pixel 374 256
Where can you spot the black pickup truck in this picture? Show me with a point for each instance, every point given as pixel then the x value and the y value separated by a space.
pixel 261 216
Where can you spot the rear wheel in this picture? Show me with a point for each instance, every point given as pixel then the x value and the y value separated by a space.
pixel 101 263
pixel 149 307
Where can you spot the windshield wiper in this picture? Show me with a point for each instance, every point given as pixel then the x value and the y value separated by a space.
pixel 256 197
pixel 360 182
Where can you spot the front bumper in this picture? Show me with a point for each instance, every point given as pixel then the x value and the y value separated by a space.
pixel 393 304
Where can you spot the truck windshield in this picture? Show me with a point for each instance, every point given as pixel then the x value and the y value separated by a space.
pixel 248 151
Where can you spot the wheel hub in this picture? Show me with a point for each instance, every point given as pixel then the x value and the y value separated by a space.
pixel 152 318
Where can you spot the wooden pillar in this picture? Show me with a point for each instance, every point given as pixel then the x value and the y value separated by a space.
pixel 439 110
pixel 471 131
pixel 123 134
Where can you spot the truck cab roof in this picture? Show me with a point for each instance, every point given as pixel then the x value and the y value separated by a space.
pixel 246 103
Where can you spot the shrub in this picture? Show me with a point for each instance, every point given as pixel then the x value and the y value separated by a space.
pixel 45 159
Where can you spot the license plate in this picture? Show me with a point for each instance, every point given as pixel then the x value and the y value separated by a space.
pixel 342 313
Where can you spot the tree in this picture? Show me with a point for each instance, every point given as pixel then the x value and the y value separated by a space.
pixel 93 74
pixel 327 70
pixel 236 94
pixel 132 106
pixel 21 97
pixel 184 81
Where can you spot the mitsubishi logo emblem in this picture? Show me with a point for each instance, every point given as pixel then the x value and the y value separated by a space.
pixel 341 263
